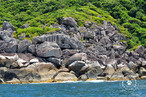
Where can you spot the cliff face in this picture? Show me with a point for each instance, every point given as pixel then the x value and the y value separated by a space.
pixel 71 53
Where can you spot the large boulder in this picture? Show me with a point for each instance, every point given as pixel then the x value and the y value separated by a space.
pixel 32 49
pixel 41 68
pixel 117 76
pixel 132 66
pixel 22 75
pixel 21 63
pixel 94 72
pixel 106 42
pixel 121 49
pixel 64 41
pixel 83 77
pixel 65 76
pixel 69 52
pixel 17 75
pixel 140 50
pixel 144 64
pixel 8 62
pixel 109 70
pixel 142 71
pixel 82 29
pixel 88 35
pixel 48 75
pixel 23 45
pixel 7 25
pixel 34 72
pixel 77 66
pixel 76 57
pixel 48 49
pixel 39 39
pixel 101 50
pixel 45 70
pixel 69 21
pixel 135 55
pixel 88 24
pixel 4 35
pixel 11 46
pixel 129 74
pixel 55 61
pixel 12 62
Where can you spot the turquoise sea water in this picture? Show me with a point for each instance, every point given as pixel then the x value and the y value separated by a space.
pixel 73 89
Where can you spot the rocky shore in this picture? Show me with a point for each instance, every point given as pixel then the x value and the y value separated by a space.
pixel 69 54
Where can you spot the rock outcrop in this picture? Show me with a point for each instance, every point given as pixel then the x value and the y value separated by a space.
pixel 48 49
pixel 71 53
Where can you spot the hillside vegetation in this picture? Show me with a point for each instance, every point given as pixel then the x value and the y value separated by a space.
pixel 128 15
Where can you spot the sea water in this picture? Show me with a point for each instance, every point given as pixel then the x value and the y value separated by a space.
pixel 74 89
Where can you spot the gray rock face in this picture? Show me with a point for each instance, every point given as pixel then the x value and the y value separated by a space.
pixel 94 72
pixel 69 21
pixel 23 45
pixel 19 74
pixel 121 49
pixel 140 50
pixel 65 76
pixel 48 49
pixel 106 42
pixel 32 49
pixel 64 41
pixel 117 75
pixel 7 25
pixel 69 52
pixel 109 70
pixel 142 71
pixel 55 61
pixel 83 77
pixel 129 74
pixel 42 67
pixel 144 63
pixel 88 36
pixel 132 66
pixel 77 66
pixel 82 29
pixel 9 61
pixel 100 44
pixel 87 24
pixel 135 55
pixel 76 57
pixel 11 46
pixel 39 39
pixel 4 35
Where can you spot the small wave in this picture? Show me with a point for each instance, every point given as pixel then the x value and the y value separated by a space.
pixel 88 81
pixel 70 82
pixel 95 81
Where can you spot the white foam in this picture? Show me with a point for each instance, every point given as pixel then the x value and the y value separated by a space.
pixel 70 82
pixel 96 81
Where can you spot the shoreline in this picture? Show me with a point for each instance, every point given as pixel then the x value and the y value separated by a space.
pixel 59 81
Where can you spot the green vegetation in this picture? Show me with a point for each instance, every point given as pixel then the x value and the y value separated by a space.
pixel 129 15
pixel 30 32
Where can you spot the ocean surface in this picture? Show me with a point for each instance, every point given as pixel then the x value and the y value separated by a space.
pixel 75 89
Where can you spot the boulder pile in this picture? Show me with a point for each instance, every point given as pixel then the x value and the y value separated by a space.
pixel 71 53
